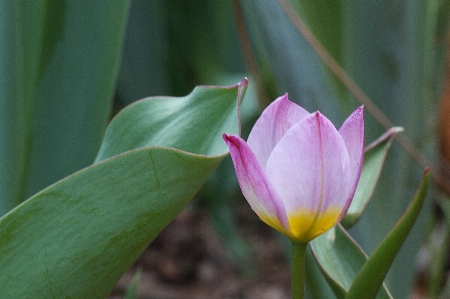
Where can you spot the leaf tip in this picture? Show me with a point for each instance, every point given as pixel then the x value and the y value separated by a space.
pixel 243 83
pixel 242 88
pixel 395 130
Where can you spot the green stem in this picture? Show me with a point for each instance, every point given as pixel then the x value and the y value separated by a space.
pixel 298 270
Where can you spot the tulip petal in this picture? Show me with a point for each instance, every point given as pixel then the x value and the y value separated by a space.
pixel 309 169
pixel 352 132
pixel 273 123
pixel 255 187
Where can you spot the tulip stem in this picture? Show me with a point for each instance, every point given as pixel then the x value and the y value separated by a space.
pixel 298 270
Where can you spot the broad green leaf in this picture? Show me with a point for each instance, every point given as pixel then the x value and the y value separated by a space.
pixel 374 158
pixel 176 122
pixel 77 237
pixel 58 66
pixel 340 258
pixel 371 276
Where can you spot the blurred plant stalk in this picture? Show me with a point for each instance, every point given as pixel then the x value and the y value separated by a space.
pixel 445 124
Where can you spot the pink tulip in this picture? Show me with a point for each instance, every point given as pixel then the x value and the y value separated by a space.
pixel 297 172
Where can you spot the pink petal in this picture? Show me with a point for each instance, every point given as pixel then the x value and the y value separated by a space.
pixel 255 187
pixel 352 132
pixel 309 166
pixel 273 123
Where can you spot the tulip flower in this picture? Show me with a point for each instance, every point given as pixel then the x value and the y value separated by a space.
pixel 296 170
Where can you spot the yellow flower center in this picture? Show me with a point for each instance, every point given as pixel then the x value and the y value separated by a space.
pixel 305 225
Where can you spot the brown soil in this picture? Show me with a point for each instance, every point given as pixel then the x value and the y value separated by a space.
pixel 189 260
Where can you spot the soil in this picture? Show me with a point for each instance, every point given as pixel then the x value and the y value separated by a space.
pixel 189 260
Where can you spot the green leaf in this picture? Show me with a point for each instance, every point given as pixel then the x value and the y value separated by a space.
pixel 58 66
pixel 316 285
pixel 343 263
pixel 374 158
pixel 371 276
pixel 77 237
pixel 176 122
pixel 132 288
pixel 340 258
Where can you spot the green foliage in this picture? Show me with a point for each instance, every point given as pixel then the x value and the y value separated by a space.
pixel 348 270
pixel 76 238
pixel 175 122
pixel 58 66
pixel 374 158
pixel 393 52
pixel 371 276
pixel 340 258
